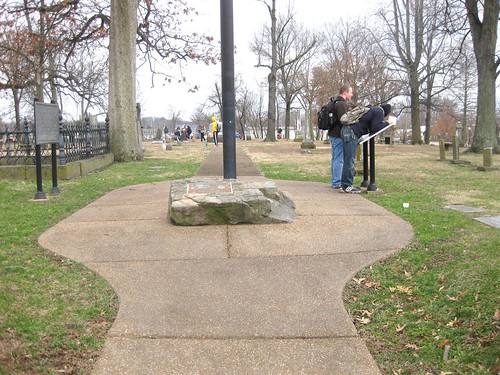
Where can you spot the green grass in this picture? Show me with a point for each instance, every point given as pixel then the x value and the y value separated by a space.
pixel 442 291
pixel 54 312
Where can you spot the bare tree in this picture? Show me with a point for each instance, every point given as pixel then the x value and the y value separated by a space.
pixel 298 41
pixel 440 55
pixel 215 99
pixel 266 48
pixel 269 35
pixel 352 55
pixel 405 23
pixel 201 118
pixel 246 101
pixel 175 117
pixel 58 29
pixel 31 37
pixel 16 69
pixel 87 83
pixel 465 88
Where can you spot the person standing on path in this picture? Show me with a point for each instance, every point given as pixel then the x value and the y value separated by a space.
pixel 371 122
pixel 215 131
pixel 341 106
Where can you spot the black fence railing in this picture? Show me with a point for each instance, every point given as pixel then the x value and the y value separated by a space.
pixel 78 141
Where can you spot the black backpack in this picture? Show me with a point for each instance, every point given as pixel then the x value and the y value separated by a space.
pixel 327 117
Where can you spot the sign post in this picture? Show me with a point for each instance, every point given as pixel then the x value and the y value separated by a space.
pixel 228 98
pixel 371 186
pixel 46 132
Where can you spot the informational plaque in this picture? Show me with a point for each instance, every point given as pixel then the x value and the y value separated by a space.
pixel 46 123
pixel 367 137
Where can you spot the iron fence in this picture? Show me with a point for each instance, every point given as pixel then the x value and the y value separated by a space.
pixel 78 141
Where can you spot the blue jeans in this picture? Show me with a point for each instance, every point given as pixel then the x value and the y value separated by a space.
pixel 337 160
pixel 350 142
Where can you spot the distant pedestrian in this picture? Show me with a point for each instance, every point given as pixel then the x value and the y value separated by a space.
pixel 188 131
pixel 201 130
pixel 177 133
pixel 215 131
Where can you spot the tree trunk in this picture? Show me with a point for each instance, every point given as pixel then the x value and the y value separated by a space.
pixel 271 78
pixel 485 134
pixel 288 111
pixel 484 37
pixel 416 135
pixel 124 135
pixel 17 108
pixel 428 117
pixel 41 57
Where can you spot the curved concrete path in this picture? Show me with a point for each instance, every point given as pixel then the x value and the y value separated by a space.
pixel 245 299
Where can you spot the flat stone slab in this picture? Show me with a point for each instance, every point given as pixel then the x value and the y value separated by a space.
pixel 494 221
pixel 487 169
pixel 463 208
pixel 215 201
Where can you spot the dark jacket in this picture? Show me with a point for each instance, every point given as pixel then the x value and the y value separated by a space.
pixel 371 122
pixel 341 107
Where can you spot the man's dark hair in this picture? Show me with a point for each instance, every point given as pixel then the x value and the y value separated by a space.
pixel 344 88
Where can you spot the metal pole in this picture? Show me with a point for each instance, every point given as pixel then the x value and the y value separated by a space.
pixel 228 97
pixel 39 185
pixel 372 186
pixel 365 182
pixel 55 189
pixel 40 194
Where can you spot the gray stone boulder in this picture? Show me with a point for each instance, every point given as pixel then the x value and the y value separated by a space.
pixel 217 201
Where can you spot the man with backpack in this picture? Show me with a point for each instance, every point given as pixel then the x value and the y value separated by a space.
pixel 341 105
pixel 371 122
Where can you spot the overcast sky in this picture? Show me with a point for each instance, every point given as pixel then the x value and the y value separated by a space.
pixel 249 17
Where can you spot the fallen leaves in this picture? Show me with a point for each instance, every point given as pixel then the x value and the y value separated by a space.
pixel 403 289
pixel 362 281
pixel 453 323
pixel 411 346
pixel 366 312
pixel 363 320
pixel 459 296
pixel 400 329
pixel 358 281
pixel 364 316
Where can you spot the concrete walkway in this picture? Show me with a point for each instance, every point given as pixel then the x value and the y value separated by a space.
pixel 244 299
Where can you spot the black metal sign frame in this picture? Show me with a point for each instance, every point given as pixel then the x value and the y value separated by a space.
pixel 47 121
